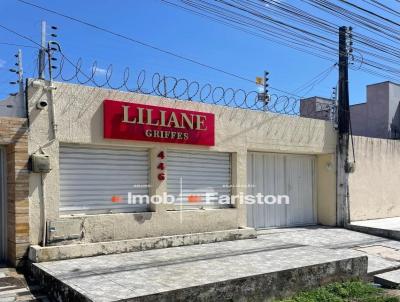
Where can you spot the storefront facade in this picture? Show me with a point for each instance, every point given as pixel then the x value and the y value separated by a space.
pixel 106 147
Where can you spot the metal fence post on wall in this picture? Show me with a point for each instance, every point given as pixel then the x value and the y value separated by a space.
pixel 165 87
pixel 42 52
pixel 20 72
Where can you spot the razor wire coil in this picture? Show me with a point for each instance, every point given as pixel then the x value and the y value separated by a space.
pixel 177 88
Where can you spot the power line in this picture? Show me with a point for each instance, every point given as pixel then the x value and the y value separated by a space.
pixel 19 35
pixel 296 34
pixel 289 27
pixel 147 45
pixel 275 38
pixel 309 85
pixel 382 6
pixel 89 78
pixel 252 16
pixel 379 28
pixel 136 41
pixel 17 45
pixel 370 12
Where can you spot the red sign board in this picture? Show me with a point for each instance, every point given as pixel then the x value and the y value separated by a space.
pixel 123 120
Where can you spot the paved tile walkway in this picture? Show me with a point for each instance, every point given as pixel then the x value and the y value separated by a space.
pixel 129 275
pixel 383 254
pixel 119 276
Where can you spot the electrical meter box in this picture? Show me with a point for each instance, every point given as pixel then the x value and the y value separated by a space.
pixel 40 163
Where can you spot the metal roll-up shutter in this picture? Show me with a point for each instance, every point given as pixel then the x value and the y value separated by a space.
pixel 191 175
pixel 98 180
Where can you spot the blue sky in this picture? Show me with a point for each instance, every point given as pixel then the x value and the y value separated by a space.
pixel 169 28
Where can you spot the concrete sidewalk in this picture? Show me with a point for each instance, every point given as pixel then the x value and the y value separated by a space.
pixel 383 254
pixel 250 269
pixel 388 227
pixel 278 263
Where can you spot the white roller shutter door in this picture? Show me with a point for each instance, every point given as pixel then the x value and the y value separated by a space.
pixel 200 173
pixel 281 174
pixel 91 177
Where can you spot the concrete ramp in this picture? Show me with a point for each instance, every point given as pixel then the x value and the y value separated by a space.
pixel 252 269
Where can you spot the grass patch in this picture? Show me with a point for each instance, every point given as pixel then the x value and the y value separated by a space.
pixel 352 291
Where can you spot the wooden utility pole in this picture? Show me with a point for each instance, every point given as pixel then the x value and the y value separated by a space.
pixel 343 130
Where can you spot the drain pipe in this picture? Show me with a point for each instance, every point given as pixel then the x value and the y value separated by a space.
pixel 50 88
pixel 38 168
pixel 52 114
pixel 44 214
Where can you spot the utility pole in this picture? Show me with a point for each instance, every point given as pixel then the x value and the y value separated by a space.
pixel 42 53
pixel 343 130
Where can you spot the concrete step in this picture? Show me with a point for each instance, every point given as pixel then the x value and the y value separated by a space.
pixel 390 279
pixel 71 251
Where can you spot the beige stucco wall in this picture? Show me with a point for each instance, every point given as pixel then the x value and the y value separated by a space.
pixel 375 185
pixel 79 119
pixel 326 189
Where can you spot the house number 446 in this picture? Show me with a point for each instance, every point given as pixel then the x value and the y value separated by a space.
pixel 161 166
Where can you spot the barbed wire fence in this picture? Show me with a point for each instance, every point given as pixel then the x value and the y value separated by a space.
pixel 180 88
pixel 183 89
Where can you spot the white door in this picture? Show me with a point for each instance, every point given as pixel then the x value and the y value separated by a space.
pixel 281 175
pixel 3 206
pixel 99 180
pixel 192 175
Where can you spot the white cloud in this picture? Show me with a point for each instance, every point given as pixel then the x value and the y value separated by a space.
pixel 2 63
pixel 99 71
